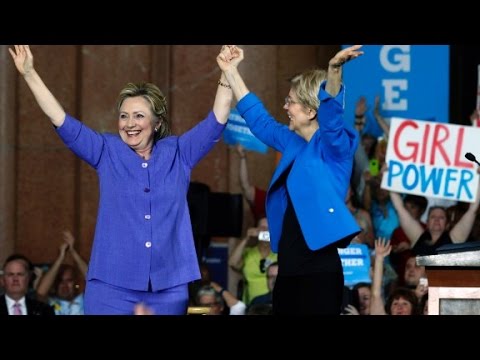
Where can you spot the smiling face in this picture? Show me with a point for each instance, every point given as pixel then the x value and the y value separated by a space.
pixel 136 123
pixel 401 306
pixel 302 102
pixel 299 115
pixel 364 295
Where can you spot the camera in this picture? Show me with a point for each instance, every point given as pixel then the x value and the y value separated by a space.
pixel 264 236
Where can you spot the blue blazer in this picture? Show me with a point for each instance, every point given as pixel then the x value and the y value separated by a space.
pixel 320 174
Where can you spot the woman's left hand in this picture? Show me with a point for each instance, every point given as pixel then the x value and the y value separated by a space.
pixel 230 56
pixel 345 55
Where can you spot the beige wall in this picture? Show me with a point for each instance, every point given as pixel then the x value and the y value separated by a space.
pixel 44 188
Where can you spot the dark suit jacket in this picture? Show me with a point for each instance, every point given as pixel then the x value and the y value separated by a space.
pixel 34 307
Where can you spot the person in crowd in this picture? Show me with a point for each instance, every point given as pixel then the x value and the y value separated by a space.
pixel 377 201
pixel 143 249
pixel 412 273
pixel 251 257
pixel 401 247
pixel 272 273
pixel 205 279
pixel 17 272
pixel 427 241
pixel 363 218
pixel 215 297
pixel 307 215
pixel 66 297
pixel 401 301
pixel 255 196
pixel 364 297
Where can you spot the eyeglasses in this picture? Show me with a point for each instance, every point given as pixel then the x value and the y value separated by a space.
pixel 289 101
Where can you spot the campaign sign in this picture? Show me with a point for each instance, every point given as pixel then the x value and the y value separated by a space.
pixel 237 132
pixel 428 159
pixel 411 80
pixel 356 264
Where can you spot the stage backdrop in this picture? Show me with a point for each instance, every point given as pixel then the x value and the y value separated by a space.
pixel 411 80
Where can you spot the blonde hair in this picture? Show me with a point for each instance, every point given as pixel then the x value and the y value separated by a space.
pixel 306 86
pixel 157 101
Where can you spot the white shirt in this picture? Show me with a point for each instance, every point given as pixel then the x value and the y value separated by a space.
pixel 238 308
pixel 11 302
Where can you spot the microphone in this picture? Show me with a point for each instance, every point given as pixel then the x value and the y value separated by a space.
pixel 471 157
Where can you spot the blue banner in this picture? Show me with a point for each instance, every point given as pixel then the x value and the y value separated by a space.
pixel 217 263
pixel 237 132
pixel 411 80
pixel 356 264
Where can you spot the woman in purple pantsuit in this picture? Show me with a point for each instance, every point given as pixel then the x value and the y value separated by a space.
pixel 143 251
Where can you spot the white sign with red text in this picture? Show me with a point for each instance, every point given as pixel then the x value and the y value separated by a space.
pixel 428 158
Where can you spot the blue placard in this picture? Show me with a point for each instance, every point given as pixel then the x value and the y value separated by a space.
pixel 217 263
pixel 412 81
pixel 237 132
pixel 356 264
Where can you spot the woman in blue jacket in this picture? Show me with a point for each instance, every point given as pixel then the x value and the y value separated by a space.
pixel 305 204
pixel 143 251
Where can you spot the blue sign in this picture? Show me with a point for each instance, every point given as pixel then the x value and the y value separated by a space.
pixel 411 80
pixel 237 132
pixel 356 264
pixel 217 263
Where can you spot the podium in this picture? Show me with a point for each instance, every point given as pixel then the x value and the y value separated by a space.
pixel 453 282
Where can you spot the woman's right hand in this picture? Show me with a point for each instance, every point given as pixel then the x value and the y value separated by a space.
pixel 23 58
pixel 230 56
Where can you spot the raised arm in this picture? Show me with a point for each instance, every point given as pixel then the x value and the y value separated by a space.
pixel 334 74
pixel 48 279
pixel 463 227
pixel 360 115
pixel 382 250
pixel 223 98
pixel 81 264
pixel 235 261
pixel 229 299
pixel 380 119
pixel 229 68
pixel 409 224
pixel 247 189
pixel 23 58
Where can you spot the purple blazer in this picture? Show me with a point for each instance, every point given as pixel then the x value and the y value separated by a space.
pixel 143 228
